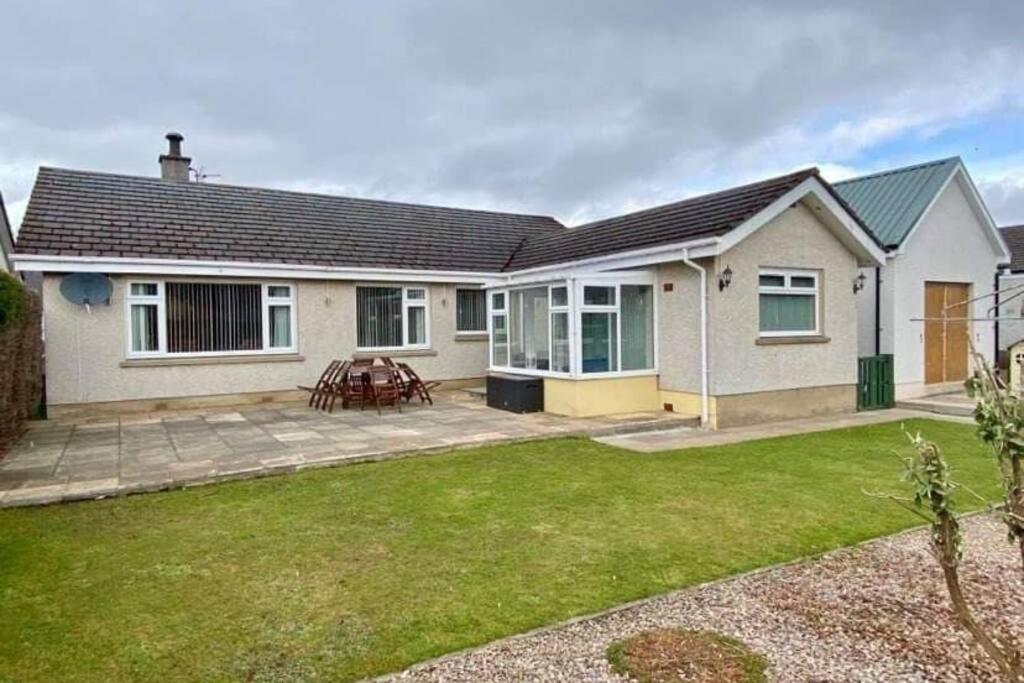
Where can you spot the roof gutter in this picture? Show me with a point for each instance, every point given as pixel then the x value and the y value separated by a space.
pixel 182 267
pixel 637 258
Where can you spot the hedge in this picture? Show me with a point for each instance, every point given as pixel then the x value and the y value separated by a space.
pixel 21 357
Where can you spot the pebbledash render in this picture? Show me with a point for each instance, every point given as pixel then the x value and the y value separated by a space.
pixel 736 307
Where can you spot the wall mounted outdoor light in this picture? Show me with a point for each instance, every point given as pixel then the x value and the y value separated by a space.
pixel 724 278
pixel 858 283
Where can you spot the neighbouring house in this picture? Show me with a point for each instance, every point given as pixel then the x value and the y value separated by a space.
pixel 1011 285
pixel 942 249
pixel 6 240
pixel 737 306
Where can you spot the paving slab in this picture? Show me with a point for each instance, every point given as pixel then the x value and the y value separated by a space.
pixel 69 459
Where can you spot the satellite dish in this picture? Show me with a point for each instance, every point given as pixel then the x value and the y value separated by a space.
pixel 86 289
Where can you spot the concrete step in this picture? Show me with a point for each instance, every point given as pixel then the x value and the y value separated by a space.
pixel 943 404
pixel 476 392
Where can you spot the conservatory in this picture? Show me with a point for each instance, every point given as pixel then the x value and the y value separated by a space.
pixel 599 326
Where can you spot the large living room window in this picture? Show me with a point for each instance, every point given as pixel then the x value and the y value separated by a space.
pixel 391 318
pixel 587 328
pixel 209 318
pixel 788 303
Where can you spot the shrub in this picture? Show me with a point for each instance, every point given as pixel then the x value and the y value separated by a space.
pixel 12 299
pixel 21 351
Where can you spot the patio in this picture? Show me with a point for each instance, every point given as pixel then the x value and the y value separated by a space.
pixel 65 460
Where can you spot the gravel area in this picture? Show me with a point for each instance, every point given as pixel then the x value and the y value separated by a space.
pixel 877 612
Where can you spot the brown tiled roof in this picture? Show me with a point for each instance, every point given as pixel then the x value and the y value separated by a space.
pixel 710 215
pixel 1013 235
pixel 79 213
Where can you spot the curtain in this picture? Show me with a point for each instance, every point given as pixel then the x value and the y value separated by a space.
pixel 417 325
pixel 204 316
pixel 787 312
pixel 144 328
pixel 470 310
pixel 637 308
pixel 378 317
pixel 280 326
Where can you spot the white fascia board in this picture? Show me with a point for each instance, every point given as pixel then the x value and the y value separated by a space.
pixel 638 258
pixel 978 204
pixel 860 243
pixel 148 266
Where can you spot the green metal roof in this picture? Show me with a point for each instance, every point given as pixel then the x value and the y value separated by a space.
pixel 891 202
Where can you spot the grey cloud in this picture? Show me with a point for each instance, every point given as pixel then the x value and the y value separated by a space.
pixel 1005 199
pixel 570 108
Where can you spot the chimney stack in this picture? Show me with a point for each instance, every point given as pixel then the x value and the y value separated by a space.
pixel 173 166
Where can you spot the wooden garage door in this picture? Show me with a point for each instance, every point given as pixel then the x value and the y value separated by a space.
pixel 945 341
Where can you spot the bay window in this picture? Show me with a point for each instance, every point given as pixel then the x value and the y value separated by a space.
pixel 595 326
pixel 788 303
pixel 209 318
pixel 391 317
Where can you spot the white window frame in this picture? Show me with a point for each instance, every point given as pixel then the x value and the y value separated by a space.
pixel 576 308
pixel 156 300
pixel 787 274
pixel 160 301
pixel 407 303
pixel 470 333
pixel 288 301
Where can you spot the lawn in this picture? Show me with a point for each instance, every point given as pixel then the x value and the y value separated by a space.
pixel 343 573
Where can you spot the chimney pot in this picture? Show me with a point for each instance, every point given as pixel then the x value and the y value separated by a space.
pixel 173 166
pixel 174 143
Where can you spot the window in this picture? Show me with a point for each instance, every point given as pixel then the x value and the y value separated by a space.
pixel 209 318
pixel 279 317
pixel 599 342
pixel 391 318
pixel 144 304
pixel 788 303
pixel 560 329
pixel 499 330
pixel 528 329
pixel 637 309
pixel 617 328
pixel 470 310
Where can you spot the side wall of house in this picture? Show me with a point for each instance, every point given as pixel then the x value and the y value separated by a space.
pixel 86 351
pixel 742 362
pixel 753 381
pixel 950 245
pixel 866 312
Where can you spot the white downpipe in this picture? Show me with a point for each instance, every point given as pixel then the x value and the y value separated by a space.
pixel 705 413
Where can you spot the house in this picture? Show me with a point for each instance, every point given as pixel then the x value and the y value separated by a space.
pixel 941 249
pixel 737 306
pixel 1011 283
pixel 6 240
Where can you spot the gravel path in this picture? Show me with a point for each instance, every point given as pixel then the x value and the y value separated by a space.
pixel 877 612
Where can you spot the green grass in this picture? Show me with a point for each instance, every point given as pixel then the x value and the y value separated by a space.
pixel 343 573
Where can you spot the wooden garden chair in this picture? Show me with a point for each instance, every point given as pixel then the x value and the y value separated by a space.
pixel 381 388
pixel 322 384
pixel 416 386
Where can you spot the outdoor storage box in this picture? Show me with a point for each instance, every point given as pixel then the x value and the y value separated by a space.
pixel 515 393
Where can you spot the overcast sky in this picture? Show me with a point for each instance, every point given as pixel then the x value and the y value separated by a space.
pixel 574 109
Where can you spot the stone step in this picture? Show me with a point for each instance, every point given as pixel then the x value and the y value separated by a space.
pixel 939 406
